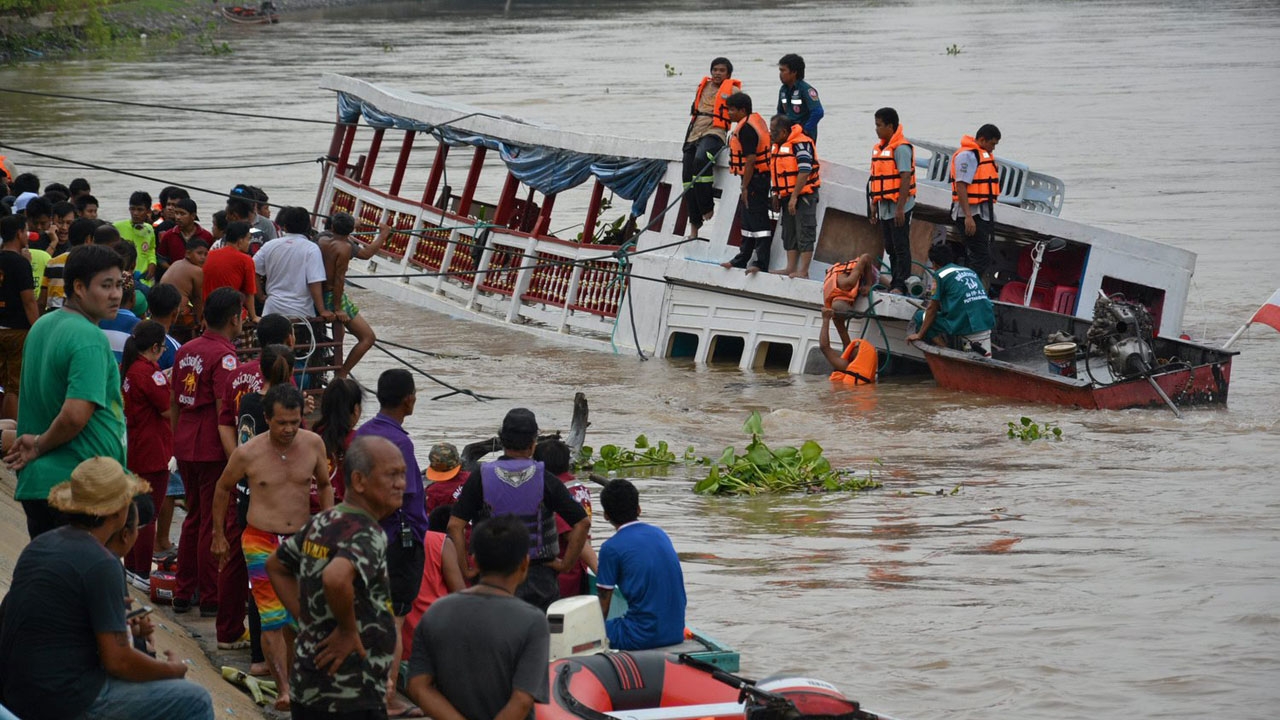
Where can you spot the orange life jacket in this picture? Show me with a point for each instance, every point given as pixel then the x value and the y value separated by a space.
pixel 785 169
pixel 719 113
pixel 831 291
pixel 886 180
pixel 986 179
pixel 863 362
pixel 6 168
pixel 736 164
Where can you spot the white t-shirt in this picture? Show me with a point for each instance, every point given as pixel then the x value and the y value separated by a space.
pixel 289 263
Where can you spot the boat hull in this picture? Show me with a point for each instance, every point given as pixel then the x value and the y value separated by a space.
pixel 1203 377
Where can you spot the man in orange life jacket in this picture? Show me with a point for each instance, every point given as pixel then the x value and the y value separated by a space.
pixel 794 170
pixel 975 187
pixel 891 194
pixel 708 126
pixel 749 160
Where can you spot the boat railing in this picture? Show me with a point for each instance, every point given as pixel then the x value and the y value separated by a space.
pixel 1019 185
pixel 508 273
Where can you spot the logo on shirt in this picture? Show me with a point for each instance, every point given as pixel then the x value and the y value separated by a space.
pixel 229 362
pixel 813 94
pixel 158 377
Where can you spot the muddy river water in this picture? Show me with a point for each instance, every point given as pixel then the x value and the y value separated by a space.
pixel 1129 570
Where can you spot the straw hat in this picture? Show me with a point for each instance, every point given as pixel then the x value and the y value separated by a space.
pixel 98 486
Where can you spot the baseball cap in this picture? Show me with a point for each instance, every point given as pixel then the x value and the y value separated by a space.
pixel 444 462
pixel 20 203
pixel 519 428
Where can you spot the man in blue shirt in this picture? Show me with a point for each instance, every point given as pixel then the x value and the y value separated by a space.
pixel 797 99
pixel 407 526
pixel 640 561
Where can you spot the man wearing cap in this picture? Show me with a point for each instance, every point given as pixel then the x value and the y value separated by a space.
pixel 64 645
pixel 445 474
pixel 516 484
pixel 172 245
pixel 337 248
pixel 407 526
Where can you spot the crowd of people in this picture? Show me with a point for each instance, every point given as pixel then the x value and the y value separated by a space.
pixel 324 552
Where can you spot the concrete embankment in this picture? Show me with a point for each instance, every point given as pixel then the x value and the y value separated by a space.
pixel 191 640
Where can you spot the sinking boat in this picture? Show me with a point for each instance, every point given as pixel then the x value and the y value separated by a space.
pixel 1112 362
pixel 478 239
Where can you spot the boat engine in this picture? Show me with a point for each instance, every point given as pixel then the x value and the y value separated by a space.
pixel 1122 332
pixel 793 698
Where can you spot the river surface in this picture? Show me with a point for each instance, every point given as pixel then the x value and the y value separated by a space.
pixel 1130 570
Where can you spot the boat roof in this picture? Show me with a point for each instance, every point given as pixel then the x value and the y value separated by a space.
pixel 439 111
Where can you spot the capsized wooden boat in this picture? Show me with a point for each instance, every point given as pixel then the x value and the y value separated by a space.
pixel 478 239
pixel 1107 372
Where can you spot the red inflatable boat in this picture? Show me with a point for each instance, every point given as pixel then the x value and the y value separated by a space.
pixel 657 685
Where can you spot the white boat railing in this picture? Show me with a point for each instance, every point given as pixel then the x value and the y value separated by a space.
pixel 1019 185
pixel 560 284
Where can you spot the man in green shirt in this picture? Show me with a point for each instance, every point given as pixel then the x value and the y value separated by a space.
pixel 138 230
pixel 960 311
pixel 70 408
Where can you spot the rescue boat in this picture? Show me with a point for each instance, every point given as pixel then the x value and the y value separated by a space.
pixel 691 681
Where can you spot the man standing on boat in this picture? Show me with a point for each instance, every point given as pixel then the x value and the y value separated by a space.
pixel 794 170
pixel 960 311
pixel 337 248
pixel 975 187
pixel 749 160
pixel 708 126
pixel 891 194
pixel 797 99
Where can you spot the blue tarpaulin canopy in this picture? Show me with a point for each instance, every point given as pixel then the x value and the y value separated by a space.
pixel 545 169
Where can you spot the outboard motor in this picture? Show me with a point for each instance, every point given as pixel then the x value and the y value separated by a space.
pixel 577 628
pixel 1122 332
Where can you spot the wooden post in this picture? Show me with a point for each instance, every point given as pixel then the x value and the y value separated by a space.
pixel 593 213
pixel 406 147
pixel 437 172
pixel 374 147
pixel 345 153
pixel 473 179
pixel 507 201
pixel 544 218
pixel 335 142
pixel 660 200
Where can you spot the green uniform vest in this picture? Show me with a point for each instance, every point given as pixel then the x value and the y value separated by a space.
pixel 964 307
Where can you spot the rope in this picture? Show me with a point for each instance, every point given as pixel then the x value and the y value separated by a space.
pixel 157 106
pixel 181 169
pixel 452 390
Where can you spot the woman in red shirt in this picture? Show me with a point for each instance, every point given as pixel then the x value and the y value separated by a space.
pixel 146 413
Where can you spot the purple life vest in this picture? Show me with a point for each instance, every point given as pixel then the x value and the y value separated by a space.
pixel 515 487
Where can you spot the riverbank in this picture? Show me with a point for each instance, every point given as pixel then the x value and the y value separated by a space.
pixel 132 27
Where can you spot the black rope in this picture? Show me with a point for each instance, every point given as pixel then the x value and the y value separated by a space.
pixel 453 390
pixel 308 161
pixel 157 106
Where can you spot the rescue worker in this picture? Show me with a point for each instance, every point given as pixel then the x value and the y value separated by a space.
pixel 858 364
pixel 516 484
pixel 708 127
pixel 960 313
pixel 844 284
pixel 749 160
pixel 893 168
pixel 797 99
pixel 794 169
pixel 975 187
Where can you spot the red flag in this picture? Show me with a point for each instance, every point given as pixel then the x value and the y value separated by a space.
pixel 1269 313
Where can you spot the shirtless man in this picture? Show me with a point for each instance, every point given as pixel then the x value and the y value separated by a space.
pixel 280 465
pixel 188 276
pixel 337 248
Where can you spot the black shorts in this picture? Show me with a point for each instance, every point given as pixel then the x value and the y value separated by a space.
pixel 541 587
pixel 404 567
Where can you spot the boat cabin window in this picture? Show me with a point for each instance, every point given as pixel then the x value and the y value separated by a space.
pixel 726 350
pixel 1149 297
pixel 682 345
pixel 773 356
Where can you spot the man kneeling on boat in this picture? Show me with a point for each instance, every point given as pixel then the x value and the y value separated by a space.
pixel 960 311
pixel 640 561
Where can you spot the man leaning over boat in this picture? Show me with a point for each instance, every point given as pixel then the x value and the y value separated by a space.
pixel 960 312
pixel 708 127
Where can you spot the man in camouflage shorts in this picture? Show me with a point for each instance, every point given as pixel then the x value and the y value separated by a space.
pixel 332 576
